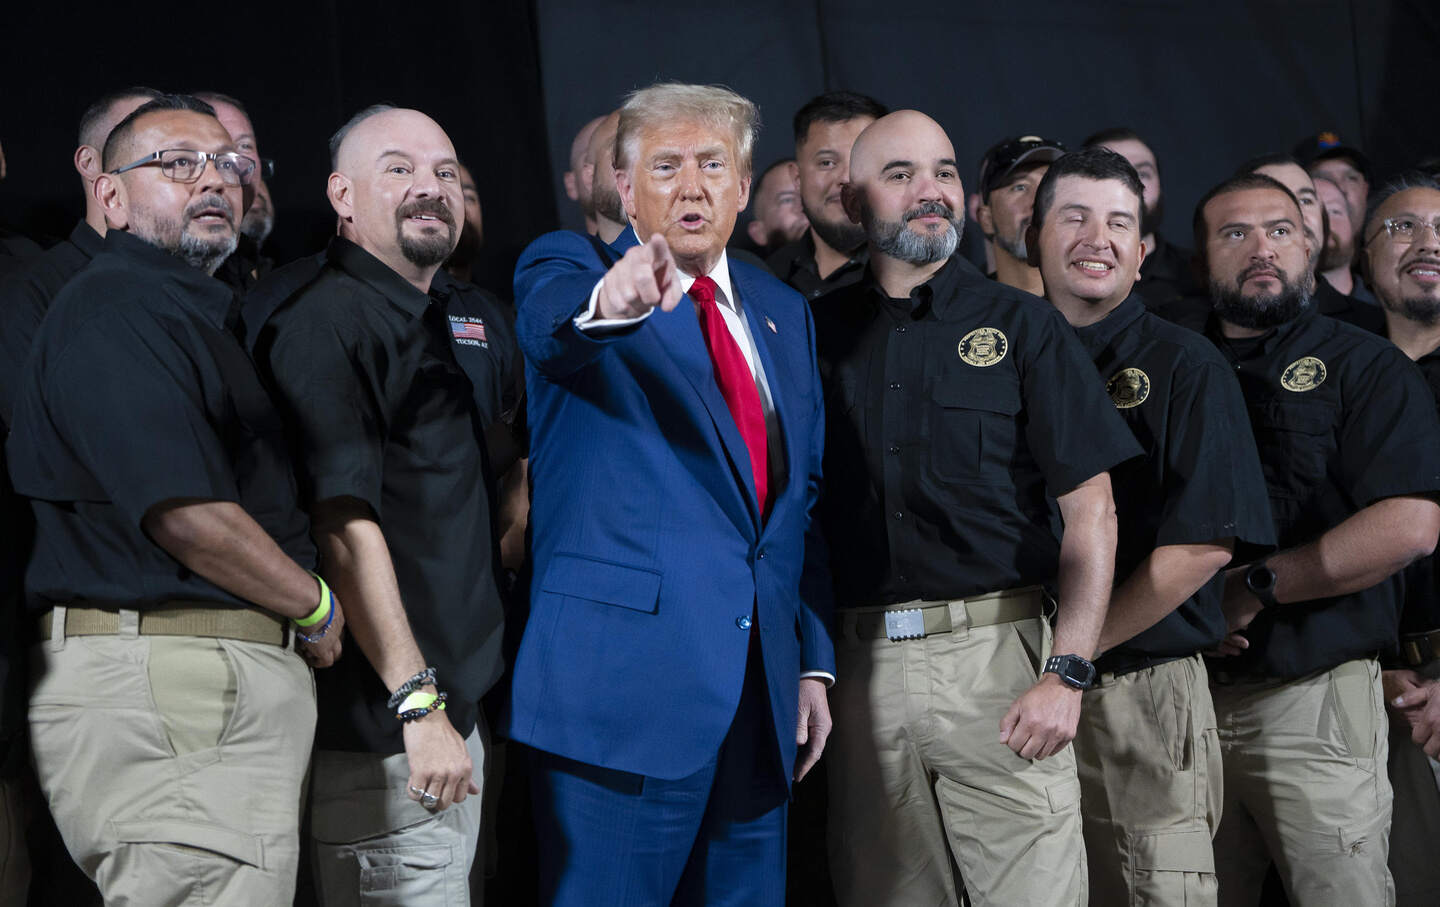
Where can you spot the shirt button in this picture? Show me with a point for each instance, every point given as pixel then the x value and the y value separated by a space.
pixel 894 385
pixel 899 515
pixel 894 449
pixel 743 622
pixel 760 555
pixel 903 578
pixel 900 329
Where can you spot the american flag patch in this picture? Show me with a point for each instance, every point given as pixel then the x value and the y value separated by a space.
pixel 466 329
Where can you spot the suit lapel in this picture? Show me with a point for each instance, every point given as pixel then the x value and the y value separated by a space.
pixel 680 337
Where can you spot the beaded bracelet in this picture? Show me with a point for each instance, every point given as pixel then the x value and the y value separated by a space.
pixel 326 607
pixel 426 676
pixel 436 705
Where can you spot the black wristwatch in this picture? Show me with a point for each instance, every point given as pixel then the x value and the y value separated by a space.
pixel 1260 580
pixel 1073 670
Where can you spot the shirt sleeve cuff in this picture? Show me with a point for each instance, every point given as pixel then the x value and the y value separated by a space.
pixel 819 675
pixel 586 321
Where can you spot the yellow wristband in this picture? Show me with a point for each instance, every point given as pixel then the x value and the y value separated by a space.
pixel 418 700
pixel 321 611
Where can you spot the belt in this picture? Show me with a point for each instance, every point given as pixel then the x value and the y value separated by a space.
pixel 1420 648
pixel 175 618
pixel 919 619
pixel 1129 664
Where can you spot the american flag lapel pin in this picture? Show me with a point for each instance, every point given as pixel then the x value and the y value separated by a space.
pixel 771 325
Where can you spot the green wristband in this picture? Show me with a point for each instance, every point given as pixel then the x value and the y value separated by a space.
pixel 320 612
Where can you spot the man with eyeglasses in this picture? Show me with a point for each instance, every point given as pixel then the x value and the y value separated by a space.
pixel 248 264
pixel 1401 259
pixel 1346 431
pixel 170 718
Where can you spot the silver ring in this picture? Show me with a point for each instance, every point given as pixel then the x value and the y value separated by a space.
pixel 429 800
pixel 416 790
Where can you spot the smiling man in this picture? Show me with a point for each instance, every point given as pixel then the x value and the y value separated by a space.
pixel 171 723
pixel 380 364
pixel 1345 429
pixel 675 417
pixel 1402 260
pixel 954 410
pixel 1196 495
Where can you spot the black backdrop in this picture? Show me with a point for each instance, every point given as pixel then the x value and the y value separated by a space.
pixel 1209 81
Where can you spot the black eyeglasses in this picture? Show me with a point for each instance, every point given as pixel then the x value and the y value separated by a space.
pixel 185 166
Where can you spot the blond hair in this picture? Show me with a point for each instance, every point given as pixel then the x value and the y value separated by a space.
pixel 671 102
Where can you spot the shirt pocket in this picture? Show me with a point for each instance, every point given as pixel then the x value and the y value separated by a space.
pixel 973 429
pixel 1296 442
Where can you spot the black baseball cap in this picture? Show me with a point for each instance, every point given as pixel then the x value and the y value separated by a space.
pixel 1326 145
pixel 1006 156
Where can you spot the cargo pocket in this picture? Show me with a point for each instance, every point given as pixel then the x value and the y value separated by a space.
pixel 410 875
pixel 199 838
pixel 1063 795
pixel 1173 868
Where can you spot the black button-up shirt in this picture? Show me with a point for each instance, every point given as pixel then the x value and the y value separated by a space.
pixel 1341 419
pixel 379 410
pixel 1166 275
pixel 25 297
pixel 1200 478
pixel 794 263
pixel 949 417
pixel 137 392
pixel 1421 612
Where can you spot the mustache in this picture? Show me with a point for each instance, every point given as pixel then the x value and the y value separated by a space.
pixel 1264 269
pixel 210 200
pixel 431 206
pixel 926 209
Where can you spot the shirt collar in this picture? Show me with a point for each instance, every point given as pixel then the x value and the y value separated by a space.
pixel 1271 339
pixel 1098 336
pixel 209 296
pixel 721 275
pixel 360 264
pixel 84 238
pixel 940 289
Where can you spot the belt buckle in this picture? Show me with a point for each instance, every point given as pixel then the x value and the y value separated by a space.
pixel 906 624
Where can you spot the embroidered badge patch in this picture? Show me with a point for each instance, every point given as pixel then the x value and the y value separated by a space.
pixel 1304 374
pixel 1128 387
pixel 467 330
pixel 984 346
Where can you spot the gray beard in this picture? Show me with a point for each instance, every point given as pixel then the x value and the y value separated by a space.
pixel 1015 248
pixel 894 239
pixel 204 254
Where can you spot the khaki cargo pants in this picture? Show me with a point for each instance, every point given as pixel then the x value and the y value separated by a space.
pixel 174 765
pixel 375 846
pixel 1305 785
pixel 1150 785
pixel 919 778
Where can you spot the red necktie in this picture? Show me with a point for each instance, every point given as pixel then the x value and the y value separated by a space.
pixel 737 384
